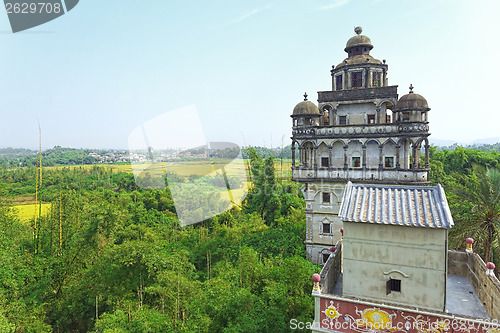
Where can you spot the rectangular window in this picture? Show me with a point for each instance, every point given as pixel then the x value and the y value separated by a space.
pixel 342 120
pixel 356 162
pixel 376 79
pixel 326 228
pixel 392 285
pixel 326 197
pixel 325 257
pixel 371 119
pixel 338 82
pixel 325 162
pixel 389 162
pixel 406 116
pixel 356 79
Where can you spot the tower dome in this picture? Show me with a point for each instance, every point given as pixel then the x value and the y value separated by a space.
pixel 412 101
pixel 359 44
pixel 306 108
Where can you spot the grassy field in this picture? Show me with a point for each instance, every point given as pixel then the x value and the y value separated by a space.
pixel 27 212
pixel 185 168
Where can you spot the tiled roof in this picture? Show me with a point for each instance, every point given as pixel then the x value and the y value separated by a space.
pixel 418 206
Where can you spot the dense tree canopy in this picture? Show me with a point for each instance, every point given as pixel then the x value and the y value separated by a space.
pixel 111 255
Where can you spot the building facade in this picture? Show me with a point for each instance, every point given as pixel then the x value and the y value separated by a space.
pixel 358 132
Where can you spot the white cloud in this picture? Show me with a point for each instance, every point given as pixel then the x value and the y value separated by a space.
pixel 248 15
pixel 335 4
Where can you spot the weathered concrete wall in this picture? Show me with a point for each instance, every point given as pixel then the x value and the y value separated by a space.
pixel 331 270
pixel 356 113
pixel 375 253
pixel 487 287
pixel 473 267
pixel 319 212
pixel 457 263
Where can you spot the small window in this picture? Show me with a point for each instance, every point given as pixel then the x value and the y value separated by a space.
pixel 388 119
pixel 376 79
pixel 325 162
pixel 371 119
pixel 326 228
pixel 338 82
pixel 342 120
pixel 325 257
pixel 389 162
pixel 393 285
pixel 356 79
pixel 326 197
pixel 356 162
pixel 406 116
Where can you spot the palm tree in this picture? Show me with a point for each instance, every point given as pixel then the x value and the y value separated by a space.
pixel 481 192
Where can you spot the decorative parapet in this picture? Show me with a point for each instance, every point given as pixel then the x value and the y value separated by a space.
pixel 388 176
pixel 343 314
pixel 358 94
pixel 487 287
pixel 331 270
pixel 361 130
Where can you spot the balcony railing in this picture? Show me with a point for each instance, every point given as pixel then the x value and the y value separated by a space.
pixel 361 130
pixel 358 94
pixel 395 176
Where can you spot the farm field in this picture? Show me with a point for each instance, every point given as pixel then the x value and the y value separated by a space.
pixel 183 168
pixel 27 212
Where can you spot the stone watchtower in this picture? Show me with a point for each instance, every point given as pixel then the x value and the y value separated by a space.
pixel 358 132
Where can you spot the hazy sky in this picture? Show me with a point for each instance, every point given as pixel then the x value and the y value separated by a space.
pixel 95 74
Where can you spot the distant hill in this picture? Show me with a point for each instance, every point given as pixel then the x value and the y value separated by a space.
pixel 475 143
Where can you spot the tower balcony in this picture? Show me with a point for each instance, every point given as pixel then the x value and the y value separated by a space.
pixel 360 130
pixel 418 176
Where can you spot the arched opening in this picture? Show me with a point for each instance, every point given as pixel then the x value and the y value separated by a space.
pixel 325 118
pixel 337 155
pixel 389 153
pixel 354 154
pixel 307 158
pixel 372 154
pixel 323 154
pixel 405 154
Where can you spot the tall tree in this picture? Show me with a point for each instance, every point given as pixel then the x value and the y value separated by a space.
pixel 481 192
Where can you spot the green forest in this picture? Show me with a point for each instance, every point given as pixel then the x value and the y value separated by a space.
pixel 111 256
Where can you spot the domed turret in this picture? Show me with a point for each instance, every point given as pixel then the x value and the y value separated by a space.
pixel 306 108
pixel 412 101
pixel 359 44
pixel 306 113
pixel 411 107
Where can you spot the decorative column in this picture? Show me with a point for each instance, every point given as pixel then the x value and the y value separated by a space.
pixel 490 268
pixel 380 157
pixel 397 156
pixel 414 154
pixel 364 156
pixel 345 156
pixel 315 157
pixel 333 117
pixel 330 162
pixel 316 278
pixel 469 242
pixel 293 154
pixel 377 117
pixel 301 156
pixel 427 154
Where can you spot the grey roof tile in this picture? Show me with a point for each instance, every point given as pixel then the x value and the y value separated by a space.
pixel 418 206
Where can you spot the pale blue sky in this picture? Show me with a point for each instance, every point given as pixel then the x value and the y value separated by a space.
pixel 93 75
